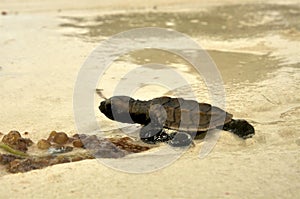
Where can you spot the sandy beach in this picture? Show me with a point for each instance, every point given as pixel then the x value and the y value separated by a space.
pixel 255 46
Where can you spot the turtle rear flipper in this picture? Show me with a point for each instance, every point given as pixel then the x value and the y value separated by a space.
pixel 180 139
pixel 240 127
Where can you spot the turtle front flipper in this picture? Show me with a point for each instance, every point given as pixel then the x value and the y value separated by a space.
pixel 240 127
pixel 153 133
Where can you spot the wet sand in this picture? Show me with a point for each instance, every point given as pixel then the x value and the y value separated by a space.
pixel 255 47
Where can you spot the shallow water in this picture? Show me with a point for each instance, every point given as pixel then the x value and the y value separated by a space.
pixel 222 22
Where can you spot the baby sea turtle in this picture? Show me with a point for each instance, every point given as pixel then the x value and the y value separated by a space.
pixel 188 117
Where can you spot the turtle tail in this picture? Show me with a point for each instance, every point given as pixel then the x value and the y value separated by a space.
pixel 240 127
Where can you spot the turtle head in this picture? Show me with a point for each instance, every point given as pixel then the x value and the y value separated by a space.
pixel 117 108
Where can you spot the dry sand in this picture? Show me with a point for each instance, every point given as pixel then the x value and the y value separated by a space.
pixel 40 59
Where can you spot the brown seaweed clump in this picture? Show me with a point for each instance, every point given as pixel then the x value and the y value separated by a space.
pixel 15 164
pixel 102 148
pixel 56 149
pixel 127 144
pixel 32 163
pixel 111 147
pixel 7 158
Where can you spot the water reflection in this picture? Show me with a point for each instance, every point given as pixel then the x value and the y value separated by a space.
pixel 235 67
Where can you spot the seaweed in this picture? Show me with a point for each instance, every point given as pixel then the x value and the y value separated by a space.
pixel 58 149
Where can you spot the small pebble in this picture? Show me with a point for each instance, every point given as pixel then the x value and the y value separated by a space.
pixel 12 137
pixel 61 138
pixel 51 136
pixel 77 143
pixel 43 144
pixel 3 13
pixel 15 140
